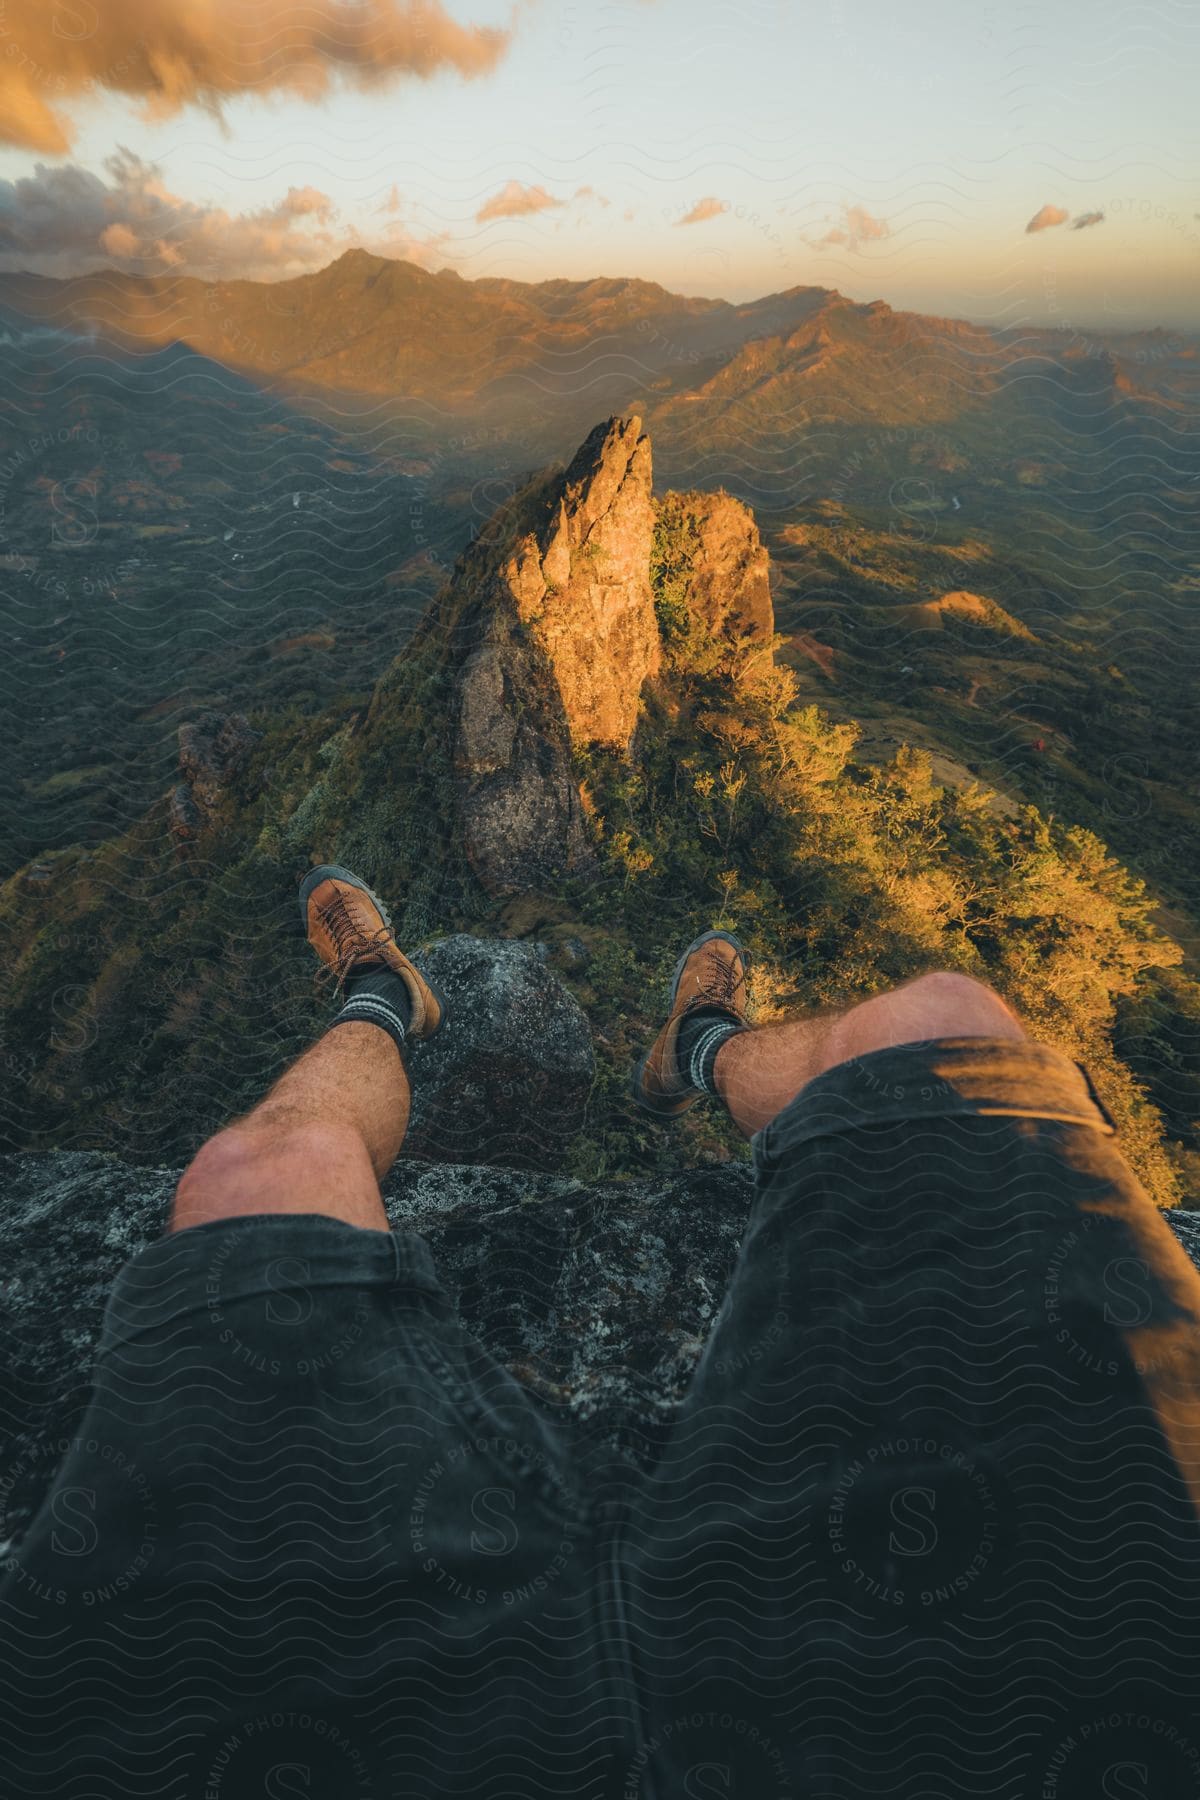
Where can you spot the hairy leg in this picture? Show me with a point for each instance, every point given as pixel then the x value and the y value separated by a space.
pixel 759 1072
pixel 319 1142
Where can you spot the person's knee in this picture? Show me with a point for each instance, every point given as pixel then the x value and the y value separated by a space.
pixel 245 1170
pixel 949 1004
pixel 943 1004
pixel 222 1162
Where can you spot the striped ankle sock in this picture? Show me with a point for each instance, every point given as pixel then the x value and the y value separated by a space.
pixel 378 997
pixel 700 1038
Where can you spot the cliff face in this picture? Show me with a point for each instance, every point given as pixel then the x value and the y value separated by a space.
pixel 566 607
pixel 519 813
pixel 564 637
pixel 582 585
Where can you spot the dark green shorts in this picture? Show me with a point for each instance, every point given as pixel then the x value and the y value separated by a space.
pixel 923 1526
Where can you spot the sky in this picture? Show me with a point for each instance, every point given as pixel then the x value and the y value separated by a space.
pixel 1015 163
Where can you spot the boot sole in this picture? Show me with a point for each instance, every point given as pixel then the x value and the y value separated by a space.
pixel 335 872
pixel 686 1101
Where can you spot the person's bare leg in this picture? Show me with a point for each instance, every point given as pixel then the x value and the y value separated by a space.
pixel 319 1142
pixel 758 1072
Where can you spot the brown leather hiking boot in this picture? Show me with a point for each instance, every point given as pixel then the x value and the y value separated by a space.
pixel 711 973
pixel 351 932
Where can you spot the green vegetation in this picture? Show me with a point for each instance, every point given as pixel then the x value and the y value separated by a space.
pixel 748 811
pixel 1025 690
pixel 676 541
pixel 149 998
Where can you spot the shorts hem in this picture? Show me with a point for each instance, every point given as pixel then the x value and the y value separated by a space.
pixel 970 1077
pixel 229 1260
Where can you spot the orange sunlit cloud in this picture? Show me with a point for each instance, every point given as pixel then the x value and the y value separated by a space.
pixel 172 53
pixel 708 208
pixel 514 201
pixel 858 227
pixel 1046 217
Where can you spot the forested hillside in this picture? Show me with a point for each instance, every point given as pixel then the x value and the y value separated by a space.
pixel 595 739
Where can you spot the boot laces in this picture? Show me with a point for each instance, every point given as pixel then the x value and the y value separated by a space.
pixel 719 983
pixel 350 942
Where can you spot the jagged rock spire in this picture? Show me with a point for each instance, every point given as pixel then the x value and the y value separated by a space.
pixel 564 637
pixel 561 621
pixel 582 584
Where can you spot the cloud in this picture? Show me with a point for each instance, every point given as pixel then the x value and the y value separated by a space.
pixel 66 220
pixel 588 192
pixel 305 202
pixel 513 201
pixel 708 208
pixel 1046 216
pixel 168 54
pixel 1086 219
pixel 119 241
pixel 858 227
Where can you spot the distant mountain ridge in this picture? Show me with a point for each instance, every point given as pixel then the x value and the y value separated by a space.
pixel 368 324
pixel 374 325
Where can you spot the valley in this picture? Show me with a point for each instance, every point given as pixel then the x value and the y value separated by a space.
pixel 244 499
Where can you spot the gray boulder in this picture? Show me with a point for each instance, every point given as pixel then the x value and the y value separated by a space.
pixel 506 1081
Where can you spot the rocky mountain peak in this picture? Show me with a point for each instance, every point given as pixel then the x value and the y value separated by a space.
pixel 581 583
pixel 565 635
